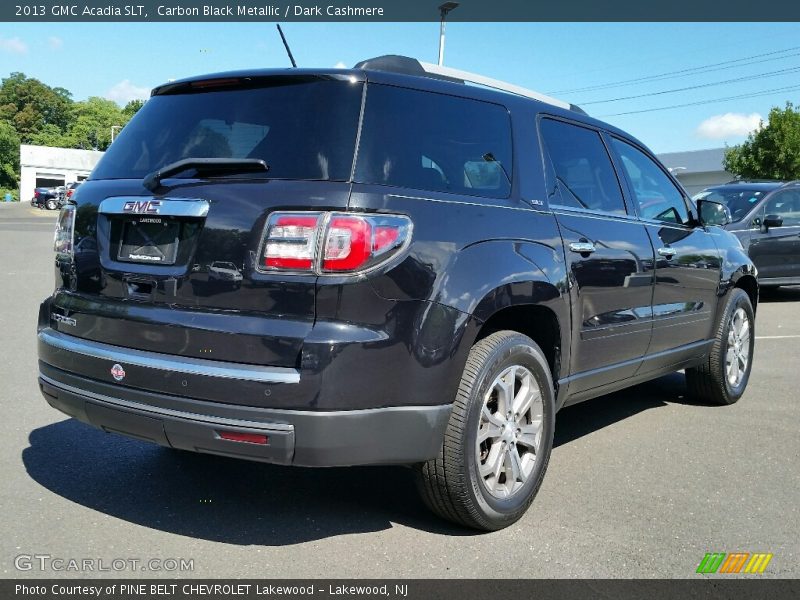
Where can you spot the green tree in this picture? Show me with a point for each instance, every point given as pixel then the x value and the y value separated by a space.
pixel 771 152
pixel 50 135
pixel 132 107
pixel 30 105
pixel 91 124
pixel 9 156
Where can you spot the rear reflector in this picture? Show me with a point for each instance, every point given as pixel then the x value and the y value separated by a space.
pixel 333 242
pixel 241 436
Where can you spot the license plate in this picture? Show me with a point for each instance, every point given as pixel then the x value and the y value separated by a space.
pixel 149 241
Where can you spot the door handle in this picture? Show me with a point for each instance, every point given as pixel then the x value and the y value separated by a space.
pixel 583 247
pixel 666 252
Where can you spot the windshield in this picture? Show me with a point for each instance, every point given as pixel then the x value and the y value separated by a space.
pixel 739 201
pixel 302 128
pixel 224 265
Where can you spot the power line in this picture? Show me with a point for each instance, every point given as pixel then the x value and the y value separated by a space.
pixel 698 86
pixel 712 101
pixel 720 66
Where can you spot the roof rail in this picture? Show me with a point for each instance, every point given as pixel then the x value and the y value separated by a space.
pixel 411 66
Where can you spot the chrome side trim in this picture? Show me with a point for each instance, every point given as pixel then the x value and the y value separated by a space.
pixel 166 207
pixel 168 362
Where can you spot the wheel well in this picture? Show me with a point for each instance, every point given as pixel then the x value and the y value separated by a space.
pixel 750 286
pixel 537 322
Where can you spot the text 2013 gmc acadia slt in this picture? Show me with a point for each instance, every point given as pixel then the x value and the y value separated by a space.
pixel 415 270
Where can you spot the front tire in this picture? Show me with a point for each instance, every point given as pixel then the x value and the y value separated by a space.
pixel 499 437
pixel 723 376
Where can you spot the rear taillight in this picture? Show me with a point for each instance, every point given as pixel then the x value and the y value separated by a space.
pixel 333 242
pixel 35 193
pixel 65 231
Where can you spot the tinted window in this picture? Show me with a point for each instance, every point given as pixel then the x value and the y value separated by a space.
pixel 303 129
pixel 429 141
pixel 739 201
pixel 657 196
pixel 786 205
pixel 583 168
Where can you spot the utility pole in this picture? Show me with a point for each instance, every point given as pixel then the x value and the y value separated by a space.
pixel 114 128
pixel 443 10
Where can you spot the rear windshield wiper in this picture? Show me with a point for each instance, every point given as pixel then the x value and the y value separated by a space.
pixel 208 166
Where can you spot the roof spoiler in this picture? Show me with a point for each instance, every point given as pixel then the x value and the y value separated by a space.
pixel 393 63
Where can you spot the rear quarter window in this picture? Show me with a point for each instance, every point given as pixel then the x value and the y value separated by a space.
pixel 430 141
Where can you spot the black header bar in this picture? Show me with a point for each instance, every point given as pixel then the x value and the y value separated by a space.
pixel 398 10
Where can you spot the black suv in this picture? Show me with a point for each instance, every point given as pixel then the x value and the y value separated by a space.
pixel 429 271
pixel 766 219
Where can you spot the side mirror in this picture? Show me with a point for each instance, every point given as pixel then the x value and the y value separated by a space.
pixel 713 213
pixel 772 221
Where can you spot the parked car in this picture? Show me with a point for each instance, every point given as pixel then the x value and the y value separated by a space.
pixel 430 295
pixel 49 198
pixel 225 272
pixel 766 219
pixel 71 188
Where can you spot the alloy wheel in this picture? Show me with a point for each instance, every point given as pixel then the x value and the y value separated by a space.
pixel 509 431
pixel 737 356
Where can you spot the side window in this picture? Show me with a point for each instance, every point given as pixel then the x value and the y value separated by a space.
pixel 657 196
pixel 583 168
pixel 430 141
pixel 786 205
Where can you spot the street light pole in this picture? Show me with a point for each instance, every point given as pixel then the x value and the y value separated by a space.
pixel 443 10
pixel 114 128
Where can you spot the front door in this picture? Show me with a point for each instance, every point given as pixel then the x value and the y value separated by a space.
pixel 776 250
pixel 687 260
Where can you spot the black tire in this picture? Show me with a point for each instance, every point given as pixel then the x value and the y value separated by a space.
pixel 450 484
pixel 51 205
pixel 709 382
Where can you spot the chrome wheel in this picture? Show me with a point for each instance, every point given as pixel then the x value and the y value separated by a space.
pixel 737 356
pixel 509 431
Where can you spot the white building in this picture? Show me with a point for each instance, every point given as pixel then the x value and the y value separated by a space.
pixel 42 166
pixel 697 169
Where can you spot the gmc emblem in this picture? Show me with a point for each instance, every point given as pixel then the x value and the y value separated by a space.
pixel 148 207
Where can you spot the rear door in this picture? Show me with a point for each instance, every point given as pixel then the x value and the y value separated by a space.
pixel 776 250
pixel 609 255
pixel 687 260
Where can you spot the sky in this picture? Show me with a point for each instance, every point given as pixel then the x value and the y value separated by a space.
pixel 122 61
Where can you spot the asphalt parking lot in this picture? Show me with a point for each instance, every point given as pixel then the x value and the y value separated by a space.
pixel 641 483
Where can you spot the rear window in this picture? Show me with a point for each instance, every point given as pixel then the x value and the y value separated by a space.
pixel 429 141
pixel 303 129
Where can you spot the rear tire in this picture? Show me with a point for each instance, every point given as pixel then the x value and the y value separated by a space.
pixel 51 205
pixel 723 376
pixel 499 437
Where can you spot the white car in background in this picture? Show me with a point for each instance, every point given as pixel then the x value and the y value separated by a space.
pixel 225 272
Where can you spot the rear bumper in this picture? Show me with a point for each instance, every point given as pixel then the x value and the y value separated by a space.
pixel 394 435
